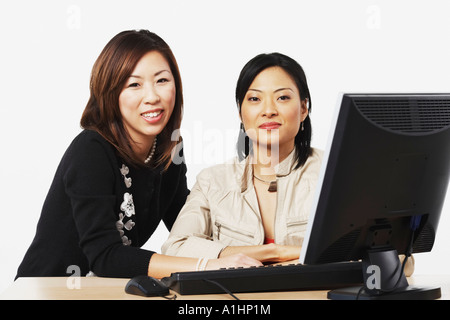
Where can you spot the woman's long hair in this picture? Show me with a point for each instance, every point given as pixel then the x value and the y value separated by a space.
pixel 254 67
pixel 110 72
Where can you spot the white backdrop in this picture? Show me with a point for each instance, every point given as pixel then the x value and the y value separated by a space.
pixel 48 49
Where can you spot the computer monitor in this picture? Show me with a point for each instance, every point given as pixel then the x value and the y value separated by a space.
pixel 382 186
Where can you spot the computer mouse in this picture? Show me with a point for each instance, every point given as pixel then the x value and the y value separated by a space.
pixel 146 286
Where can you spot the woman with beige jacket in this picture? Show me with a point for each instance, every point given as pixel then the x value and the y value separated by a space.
pixel 257 205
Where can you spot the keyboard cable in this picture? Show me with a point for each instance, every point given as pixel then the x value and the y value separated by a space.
pixel 221 287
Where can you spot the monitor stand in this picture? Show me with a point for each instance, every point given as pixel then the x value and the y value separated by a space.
pixel 384 279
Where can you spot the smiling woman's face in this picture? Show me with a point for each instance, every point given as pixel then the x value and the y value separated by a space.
pixel 272 109
pixel 148 98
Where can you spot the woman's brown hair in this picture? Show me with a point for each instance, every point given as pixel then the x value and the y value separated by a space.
pixel 110 72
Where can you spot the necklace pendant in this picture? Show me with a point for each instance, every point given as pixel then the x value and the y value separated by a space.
pixel 272 186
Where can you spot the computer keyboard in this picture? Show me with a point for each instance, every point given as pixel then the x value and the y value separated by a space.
pixel 267 278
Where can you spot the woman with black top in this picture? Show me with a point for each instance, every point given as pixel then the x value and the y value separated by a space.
pixel 118 179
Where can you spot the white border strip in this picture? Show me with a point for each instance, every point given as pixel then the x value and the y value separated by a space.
pixel 321 177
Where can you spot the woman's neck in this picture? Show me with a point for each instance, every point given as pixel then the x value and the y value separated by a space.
pixel 142 150
pixel 265 160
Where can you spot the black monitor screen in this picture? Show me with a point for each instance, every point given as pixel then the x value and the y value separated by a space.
pixel 385 173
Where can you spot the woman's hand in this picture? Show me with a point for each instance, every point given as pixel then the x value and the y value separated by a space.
pixel 163 266
pixel 409 267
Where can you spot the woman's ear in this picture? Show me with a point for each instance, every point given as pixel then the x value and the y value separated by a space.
pixel 242 123
pixel 304 109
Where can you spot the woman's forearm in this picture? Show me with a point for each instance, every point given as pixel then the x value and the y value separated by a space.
pixel 265 253
pixel 163 265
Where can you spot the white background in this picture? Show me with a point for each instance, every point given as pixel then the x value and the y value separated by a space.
pixel 48 49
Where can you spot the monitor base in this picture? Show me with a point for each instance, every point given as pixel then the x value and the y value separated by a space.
pixel 384 279
pixel 405 293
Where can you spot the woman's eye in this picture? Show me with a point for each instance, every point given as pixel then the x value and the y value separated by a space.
pixel 253 99
pixel 163 80
pixel 133 85
pixel 284 98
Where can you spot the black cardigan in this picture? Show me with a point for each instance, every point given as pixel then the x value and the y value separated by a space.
pixel 87 218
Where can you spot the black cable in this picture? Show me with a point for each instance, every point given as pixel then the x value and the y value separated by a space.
pixel 360 291
pixel 407 255
pixel 221 287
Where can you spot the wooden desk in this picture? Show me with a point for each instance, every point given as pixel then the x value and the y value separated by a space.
pixel 94 288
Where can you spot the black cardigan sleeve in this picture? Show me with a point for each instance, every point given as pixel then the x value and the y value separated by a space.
pixel 179 198
pixel 91 179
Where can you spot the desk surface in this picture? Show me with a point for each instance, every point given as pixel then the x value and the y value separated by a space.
pixel 94 288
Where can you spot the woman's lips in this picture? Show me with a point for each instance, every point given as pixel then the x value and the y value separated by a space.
pixel 270 125
pixel 152 116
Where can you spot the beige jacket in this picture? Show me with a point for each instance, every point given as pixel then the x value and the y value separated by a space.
pixel 222 209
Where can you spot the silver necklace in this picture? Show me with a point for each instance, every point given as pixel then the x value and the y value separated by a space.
pixel 152 152
pixel 272 184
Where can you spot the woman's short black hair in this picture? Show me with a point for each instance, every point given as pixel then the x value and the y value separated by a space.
pixel 254 67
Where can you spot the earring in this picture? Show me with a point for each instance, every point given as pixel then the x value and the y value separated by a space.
pixel 302 127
